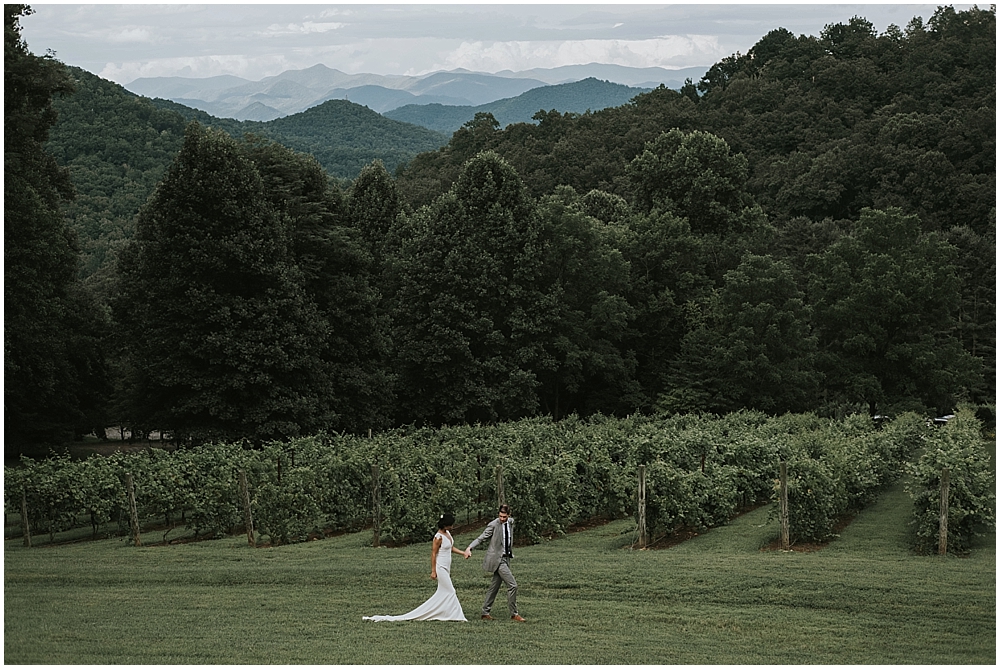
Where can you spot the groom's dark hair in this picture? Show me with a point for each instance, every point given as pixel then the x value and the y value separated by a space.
pixel 504 509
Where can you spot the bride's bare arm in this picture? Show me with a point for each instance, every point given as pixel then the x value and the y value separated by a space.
pixel 435 546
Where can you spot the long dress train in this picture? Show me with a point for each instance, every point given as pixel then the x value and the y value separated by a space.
pixel 443 604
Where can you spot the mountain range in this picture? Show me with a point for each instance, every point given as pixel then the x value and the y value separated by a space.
pixel 580 96
pixel 294 91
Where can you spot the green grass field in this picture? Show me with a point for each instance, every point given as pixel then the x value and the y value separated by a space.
pixel 715 599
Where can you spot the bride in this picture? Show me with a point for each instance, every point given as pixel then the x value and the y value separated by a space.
pixel 443 604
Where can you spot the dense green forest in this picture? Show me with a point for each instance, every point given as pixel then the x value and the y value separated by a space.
pixel 811 227
pixel 579 96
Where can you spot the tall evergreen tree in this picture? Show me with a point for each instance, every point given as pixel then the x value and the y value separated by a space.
pixel 212 309
pixel 977 316
pixel 338 279
pixel 374 203
pixel 54 374
pixel 668 280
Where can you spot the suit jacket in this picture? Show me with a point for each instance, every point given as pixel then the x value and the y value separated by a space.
pixel 494 551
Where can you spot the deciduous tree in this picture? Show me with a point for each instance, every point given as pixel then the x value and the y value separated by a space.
pixel 587 274
pixel 693 175
pixel 754 349
pixel 468 309
pixel 886 298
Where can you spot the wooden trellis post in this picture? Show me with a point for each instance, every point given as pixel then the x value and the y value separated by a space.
pixel 247 517
pixel 376 506
pixel 642 506
pixel 783 506
pixel 133 512
pixel 500 494
pixel 943 524
pixel 24 519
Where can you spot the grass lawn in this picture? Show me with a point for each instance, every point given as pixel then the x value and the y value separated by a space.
pixel 715 599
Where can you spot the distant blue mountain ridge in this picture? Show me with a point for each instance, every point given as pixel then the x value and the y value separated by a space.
pixel 294 91
pixel 580 96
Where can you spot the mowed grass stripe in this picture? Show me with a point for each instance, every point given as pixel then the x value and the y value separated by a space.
pixel 715 599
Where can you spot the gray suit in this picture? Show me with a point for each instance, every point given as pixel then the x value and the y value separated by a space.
pixel 497 565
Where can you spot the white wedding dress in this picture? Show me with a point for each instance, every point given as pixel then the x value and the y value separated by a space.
pixel 443 604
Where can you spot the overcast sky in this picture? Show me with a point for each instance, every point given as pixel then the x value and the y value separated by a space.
pixel 125 42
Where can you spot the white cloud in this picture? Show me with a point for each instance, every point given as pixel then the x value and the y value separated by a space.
pixel 666 51
pixel 131 34
pixel 304 28
pixel 250 67
pixel 327 13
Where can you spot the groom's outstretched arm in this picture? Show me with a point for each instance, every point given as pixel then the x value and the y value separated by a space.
pixel 485 536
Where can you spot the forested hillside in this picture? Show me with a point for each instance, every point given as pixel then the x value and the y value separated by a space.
pixel 579 96
pixel 118 146
pixel 828 124
pixel 344 137
pixel 811 227
pixel 824 128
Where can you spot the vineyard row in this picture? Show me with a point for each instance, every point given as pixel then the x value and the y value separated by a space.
pixel 699 472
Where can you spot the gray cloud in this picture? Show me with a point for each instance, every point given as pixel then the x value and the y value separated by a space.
pixel 124 42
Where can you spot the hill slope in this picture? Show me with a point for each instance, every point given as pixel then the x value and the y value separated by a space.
pixel 344 137
pixel 382 99
pixel 118 145
pixel 580 96
pixel 827 128
pixel 725 601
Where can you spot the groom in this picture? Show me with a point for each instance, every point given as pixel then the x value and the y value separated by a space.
pixel 500 534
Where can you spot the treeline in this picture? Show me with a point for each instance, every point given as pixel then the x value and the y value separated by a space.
pixel 657 270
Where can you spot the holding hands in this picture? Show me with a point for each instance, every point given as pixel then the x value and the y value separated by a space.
pixel 467 553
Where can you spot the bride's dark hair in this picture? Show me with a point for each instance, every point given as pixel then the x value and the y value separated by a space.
pixel 445 520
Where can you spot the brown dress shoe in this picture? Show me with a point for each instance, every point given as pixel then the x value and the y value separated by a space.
pixel 517 619
pixel 487 617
